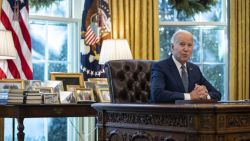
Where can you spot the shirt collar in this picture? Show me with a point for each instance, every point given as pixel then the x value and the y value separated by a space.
pixel 177 63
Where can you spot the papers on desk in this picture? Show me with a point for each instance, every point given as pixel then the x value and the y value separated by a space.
pixel 15 96
pixel 33 97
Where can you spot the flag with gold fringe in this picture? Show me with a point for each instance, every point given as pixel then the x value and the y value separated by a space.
pixel 96 26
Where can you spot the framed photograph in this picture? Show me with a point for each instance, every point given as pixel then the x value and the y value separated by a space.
pixel 72 88
pixel 50 98
pixel 98 80
pixel 67 78
pixel 35 92
pixel 55 84
pixel 89 84
pixel 67 97
pixel 11 84
pixel 44 89
pixel 32 84
pixel 16 91
pixel 84 94
pixel 102 86
pixel 103 94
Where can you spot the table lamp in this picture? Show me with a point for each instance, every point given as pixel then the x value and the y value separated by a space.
pixel 7 51
pixel 114 49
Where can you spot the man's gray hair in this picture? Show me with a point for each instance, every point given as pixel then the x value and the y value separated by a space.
pixel 173 39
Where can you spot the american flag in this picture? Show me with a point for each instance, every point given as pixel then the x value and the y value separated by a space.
pixel 91 37
pixel 96 25
pixel 14 17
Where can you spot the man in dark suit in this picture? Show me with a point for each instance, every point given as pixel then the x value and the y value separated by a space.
pixel 177 79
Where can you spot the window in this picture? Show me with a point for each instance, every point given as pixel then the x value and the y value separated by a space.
pixel 51 47
pixel 211 40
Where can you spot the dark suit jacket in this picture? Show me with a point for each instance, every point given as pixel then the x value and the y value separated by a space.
pixel 166 84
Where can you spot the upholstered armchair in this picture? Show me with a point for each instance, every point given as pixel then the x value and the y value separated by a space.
pixel 129 80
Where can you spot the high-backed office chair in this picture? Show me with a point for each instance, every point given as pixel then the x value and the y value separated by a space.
pixel 129 80
pixel 129 84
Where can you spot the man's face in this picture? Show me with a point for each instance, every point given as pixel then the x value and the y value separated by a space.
pixel 183 47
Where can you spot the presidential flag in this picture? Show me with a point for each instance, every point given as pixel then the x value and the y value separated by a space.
pixel 14 17
pixel 96 26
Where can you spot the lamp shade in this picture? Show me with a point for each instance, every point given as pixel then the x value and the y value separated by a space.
pixel 7 48
pixel 114 49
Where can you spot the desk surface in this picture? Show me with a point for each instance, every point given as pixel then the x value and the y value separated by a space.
pixel 46 110
pixel 162 107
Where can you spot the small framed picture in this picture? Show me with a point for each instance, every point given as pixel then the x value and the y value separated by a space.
pixel 31 84
pixel 55 84
pixel 89 84
pixel 99 80
pixel 16 91
pixel 67 97
pixel 84 94
pixel 11 84
pixel 102 86
pixel 44 89
pixel 35 92
pixel 50 98
pixel 72 88
pixel 103 94
pixel 68 78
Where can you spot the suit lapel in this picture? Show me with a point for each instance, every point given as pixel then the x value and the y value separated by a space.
pixel 176 75
pixel 191 74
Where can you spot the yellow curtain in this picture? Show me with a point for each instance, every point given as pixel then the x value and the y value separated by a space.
pixel 137 21
pixel 239 49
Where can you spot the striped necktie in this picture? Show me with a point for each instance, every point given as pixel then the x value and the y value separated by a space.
pixel 184 77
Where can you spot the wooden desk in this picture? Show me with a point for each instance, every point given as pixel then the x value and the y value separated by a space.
pixel 174 122
pixel 44 110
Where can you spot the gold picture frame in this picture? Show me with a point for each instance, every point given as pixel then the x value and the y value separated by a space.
pixel 67 97
pixel 103 94
pixel 68 78
pixel 72 88
pixel 12 84
pixel 98 80
pixel 44 89
pixel 102 86
pixel 89 84
pixel 84 94
pixel 55 84
pixel 51 98
pixel 30 85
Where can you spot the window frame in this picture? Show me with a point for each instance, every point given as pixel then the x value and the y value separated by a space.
pixel 73 62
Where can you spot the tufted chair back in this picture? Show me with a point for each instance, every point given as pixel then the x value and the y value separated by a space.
pixel 129 80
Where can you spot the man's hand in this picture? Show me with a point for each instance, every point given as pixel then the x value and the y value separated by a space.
pixel 199 92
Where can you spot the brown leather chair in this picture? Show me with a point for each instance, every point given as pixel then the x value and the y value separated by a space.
pixel 129 80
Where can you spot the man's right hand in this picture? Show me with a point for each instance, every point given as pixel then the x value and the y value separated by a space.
pixel 199 92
